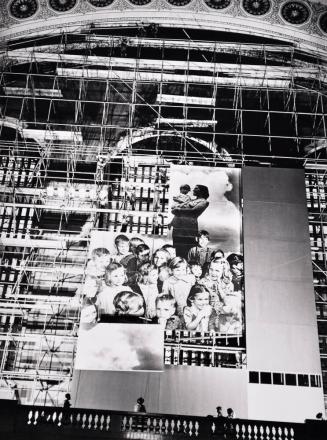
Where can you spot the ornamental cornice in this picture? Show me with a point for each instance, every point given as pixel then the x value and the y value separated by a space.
pixel 121 5
pixel 289 20
pixel 200 6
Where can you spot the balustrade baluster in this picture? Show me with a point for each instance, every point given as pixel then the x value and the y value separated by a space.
pixel 29 417
pixel 54 417
pixel 280 433
pixel 148 424
pixel 274 432
pixel 59 419
pixel 83 420
pixel 90 419
pixel 268 432
pixel 108 420
pixel 213 427
pixel 71 418
pixel 190 427
pixel 166 426
pixel 78 419
pixel 36 417
pixel 244 430
pixel 96 420
pixel 48 417
pixel 196 426
pixel 124 424
pixel 101 422
pixel 172 427
pixel 237 430
pixel 256 431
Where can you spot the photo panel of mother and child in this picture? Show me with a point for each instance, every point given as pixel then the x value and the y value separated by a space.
pixel 190 280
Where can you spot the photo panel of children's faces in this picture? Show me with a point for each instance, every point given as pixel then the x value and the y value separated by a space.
pixel 124 276
pixel 205 226
pixel 139 279
pixel 118 347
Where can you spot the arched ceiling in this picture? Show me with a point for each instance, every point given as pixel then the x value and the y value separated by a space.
pixel 301 22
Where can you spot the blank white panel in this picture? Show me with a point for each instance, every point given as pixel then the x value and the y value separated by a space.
pixel 284 403
pixel 273 303
pixel 177 390
pixel 281 327
pixel 282 348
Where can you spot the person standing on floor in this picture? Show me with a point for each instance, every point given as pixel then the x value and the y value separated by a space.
pixel 139 406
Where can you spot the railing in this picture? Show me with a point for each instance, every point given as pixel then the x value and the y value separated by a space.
pixel 54 423
pixel 163 425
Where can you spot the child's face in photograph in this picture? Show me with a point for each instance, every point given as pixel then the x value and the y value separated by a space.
pixel 215 271
pixel 179 271
pixel 203 241
pixel 117 277
pixel 160 259
pixel 144 256
pixel 201 300
pixel 134 243
pixel 196 270
pixel 123 247
pixel 165 309
pixel 218 254
pixel 196 191
pixel 237 269
pixel 103 260
pixel 88 314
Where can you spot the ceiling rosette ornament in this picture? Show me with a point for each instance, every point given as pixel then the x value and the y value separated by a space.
pixel 23 8
pixel 295 12
pixel 179 2
pixel 323 22
pixel 100 3
pixel 218 4
pixel 140 2
pixel 62 5
pixel 256 7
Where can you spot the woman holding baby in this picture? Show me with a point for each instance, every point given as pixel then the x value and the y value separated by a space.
pixel 185 221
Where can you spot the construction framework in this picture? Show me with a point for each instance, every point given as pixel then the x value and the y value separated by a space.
pixel 88 117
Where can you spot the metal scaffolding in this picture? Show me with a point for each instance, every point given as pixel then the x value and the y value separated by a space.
pixel 87 118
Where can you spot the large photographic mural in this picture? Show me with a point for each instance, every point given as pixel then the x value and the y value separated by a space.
pixel 190 280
